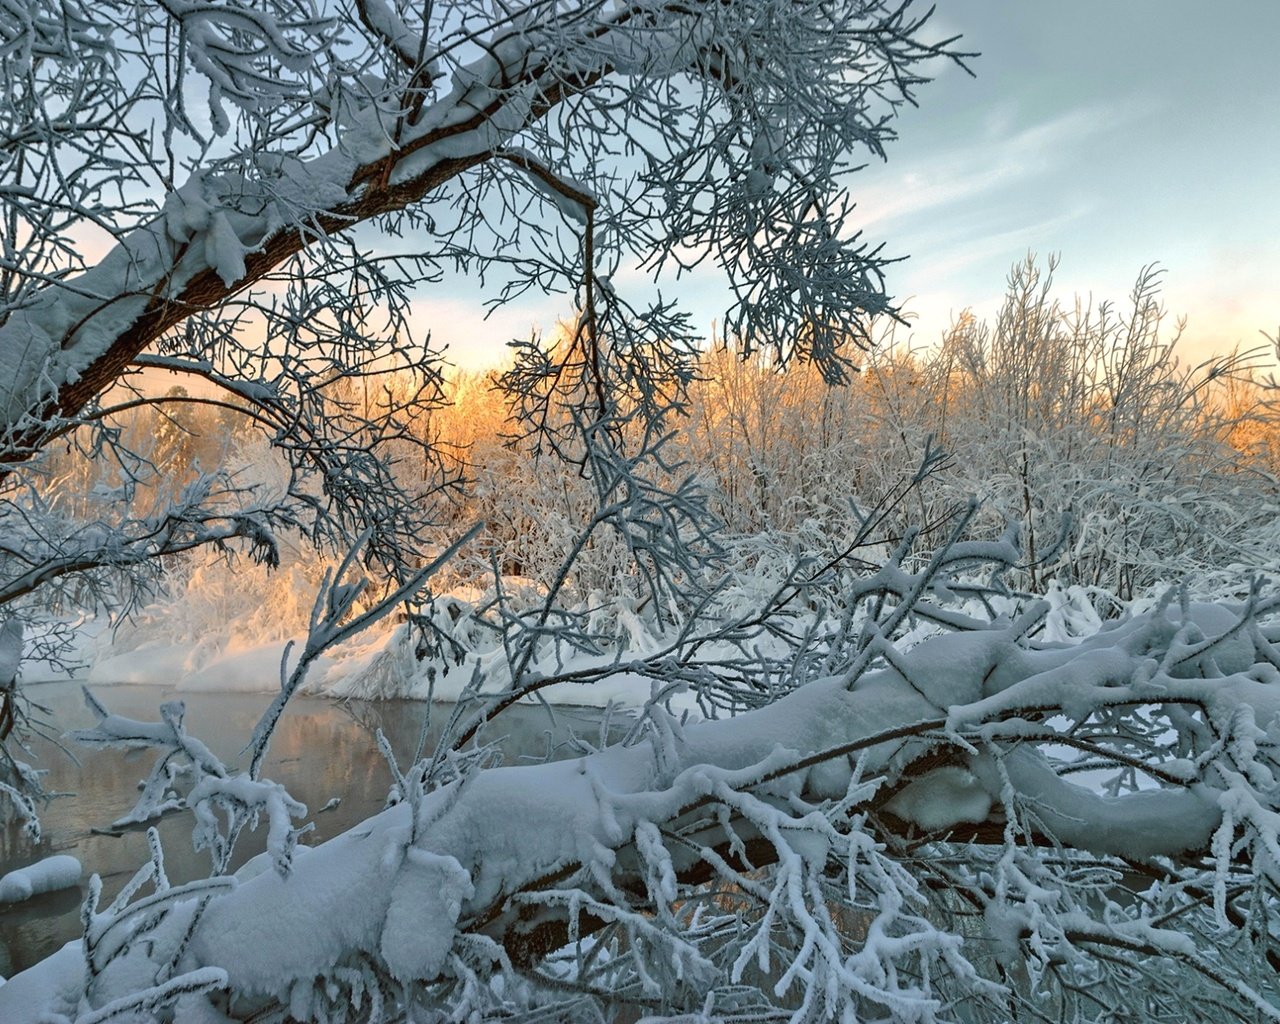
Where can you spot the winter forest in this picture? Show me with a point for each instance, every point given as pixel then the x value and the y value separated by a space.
pixel 803 669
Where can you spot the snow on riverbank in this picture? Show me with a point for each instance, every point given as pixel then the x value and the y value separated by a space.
pixel 187 647
pixel 376 666
pixel 49 875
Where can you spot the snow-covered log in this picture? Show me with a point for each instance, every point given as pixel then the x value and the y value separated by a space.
pixel 987 821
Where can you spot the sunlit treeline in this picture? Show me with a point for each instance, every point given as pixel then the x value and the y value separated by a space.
pixel 1121 465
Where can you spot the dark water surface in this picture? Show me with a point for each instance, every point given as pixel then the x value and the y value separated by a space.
pixel 321 749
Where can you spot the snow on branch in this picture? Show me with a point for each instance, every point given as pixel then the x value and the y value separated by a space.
pixel 842 851
pixel 340 130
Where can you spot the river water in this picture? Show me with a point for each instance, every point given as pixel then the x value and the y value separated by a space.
pixel 321 749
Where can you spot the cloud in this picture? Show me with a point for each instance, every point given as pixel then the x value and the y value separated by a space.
pixel 983 168
pixel 947 257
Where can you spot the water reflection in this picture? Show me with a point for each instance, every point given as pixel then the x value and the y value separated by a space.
pixel 321 750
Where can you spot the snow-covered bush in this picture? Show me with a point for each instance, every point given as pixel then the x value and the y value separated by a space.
pixel 1123 467
pixel 1081 424
pixel 989 820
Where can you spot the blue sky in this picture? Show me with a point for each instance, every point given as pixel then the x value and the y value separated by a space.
pixel 1115 133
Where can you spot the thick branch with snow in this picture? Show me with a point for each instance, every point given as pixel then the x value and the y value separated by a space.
pixel 987 820
pixel 350 116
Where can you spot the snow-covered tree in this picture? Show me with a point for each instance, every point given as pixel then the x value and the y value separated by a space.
pixel 887 836
pixel 190 188
pixel 1124 465
pixel 213 148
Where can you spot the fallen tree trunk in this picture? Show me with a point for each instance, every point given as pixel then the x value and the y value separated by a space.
pixel 931 801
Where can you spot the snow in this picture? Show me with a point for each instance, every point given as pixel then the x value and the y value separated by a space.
pixel 223 249
pixel 402 885
pixel 1071 615
pixel 942 798
pixel 214 793
pixel 60 871
pixel 428 887
pixel 10 651
pixel 53 986
pixel 186 211
pixel 150 999
pixel 155 664
pixel 376 665
pixel 255 670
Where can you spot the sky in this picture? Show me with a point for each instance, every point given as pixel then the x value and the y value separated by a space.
pixel 1112 133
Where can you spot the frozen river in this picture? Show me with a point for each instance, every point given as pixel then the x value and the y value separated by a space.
pixel 321 749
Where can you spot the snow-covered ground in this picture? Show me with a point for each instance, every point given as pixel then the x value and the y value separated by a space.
pixel 376 665
pixel 172 644
pixel 163 649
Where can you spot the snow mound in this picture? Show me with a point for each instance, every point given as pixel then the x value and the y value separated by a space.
pixel 60 871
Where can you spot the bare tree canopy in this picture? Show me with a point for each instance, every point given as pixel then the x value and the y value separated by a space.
pixel 219 147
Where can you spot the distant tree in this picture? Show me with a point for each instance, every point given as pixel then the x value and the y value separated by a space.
pixel 174 440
